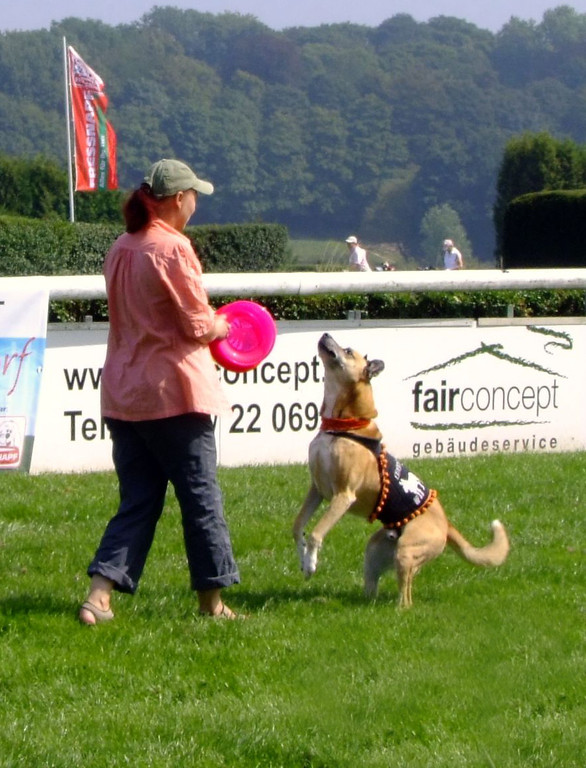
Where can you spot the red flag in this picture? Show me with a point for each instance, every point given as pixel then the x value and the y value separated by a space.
pixel 95 140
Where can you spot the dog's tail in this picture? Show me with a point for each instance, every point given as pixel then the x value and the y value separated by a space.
pixel 492 554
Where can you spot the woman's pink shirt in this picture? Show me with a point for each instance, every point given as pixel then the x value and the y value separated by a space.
pixel 155 366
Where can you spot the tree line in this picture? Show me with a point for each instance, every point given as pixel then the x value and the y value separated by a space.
pixel 328 130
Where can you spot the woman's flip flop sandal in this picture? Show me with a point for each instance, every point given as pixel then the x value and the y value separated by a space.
pixel 223 613
pixel 99 615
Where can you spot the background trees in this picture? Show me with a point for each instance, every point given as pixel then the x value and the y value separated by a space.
pixel 326 130
pixel 536 163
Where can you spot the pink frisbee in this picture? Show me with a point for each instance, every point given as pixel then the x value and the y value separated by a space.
pixel 251 338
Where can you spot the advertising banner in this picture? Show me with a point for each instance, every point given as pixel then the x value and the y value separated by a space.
pixel 446 390
pixel 23 327
pixel 95 139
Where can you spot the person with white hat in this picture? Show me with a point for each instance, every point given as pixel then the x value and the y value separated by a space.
pixel 357 258
pixel 452 256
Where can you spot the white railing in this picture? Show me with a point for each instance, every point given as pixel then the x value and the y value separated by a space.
pixel 67 287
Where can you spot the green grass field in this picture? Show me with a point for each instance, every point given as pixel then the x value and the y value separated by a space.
pixel 486 669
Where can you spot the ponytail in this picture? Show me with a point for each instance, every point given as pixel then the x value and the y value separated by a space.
pixel 139 209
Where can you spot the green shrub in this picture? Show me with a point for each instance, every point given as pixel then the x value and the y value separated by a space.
pixel 381 306
pixel 437 305
pixel 240 247
pixel 545 229
pixel 52 247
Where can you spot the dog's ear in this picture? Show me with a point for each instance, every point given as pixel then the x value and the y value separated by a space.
pixel 373 368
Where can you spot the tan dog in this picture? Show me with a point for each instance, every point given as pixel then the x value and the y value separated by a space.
pixel 346 472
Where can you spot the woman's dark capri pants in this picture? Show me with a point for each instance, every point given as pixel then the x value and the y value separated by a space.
pixel 147 455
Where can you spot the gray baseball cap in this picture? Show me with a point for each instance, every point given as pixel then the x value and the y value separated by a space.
pixel 167 177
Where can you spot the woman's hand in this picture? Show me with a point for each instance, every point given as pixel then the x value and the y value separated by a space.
pixel 221 326
pixel 219 330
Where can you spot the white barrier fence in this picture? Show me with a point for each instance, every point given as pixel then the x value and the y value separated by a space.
pixel 460 387
pixel 310 283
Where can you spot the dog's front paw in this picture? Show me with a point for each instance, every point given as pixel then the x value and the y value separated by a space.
pixel 309 564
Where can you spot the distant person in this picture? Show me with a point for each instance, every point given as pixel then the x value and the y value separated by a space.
pixel 452 256
pixel 357 260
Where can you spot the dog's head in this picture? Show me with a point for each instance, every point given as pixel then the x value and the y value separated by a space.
pixel 348 392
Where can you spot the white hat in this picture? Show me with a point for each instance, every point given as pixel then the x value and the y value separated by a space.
pixel 448 244
pixel 352 239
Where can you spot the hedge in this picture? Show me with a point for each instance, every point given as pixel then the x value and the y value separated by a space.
pixel 545 229
pixel 435 305
pixel 241 247
pixel 382 306
pixel 52 247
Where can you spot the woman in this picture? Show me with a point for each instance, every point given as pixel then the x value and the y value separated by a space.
pixel 452 256
pixel 159 391
pixel 357 260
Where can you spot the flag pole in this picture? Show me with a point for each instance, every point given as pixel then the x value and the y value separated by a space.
pixel 68 119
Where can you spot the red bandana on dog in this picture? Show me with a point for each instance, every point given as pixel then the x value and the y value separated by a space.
pixel 341 425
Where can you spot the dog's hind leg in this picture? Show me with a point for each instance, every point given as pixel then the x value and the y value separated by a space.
pixel 408 561
pixel 312 501
pixel 406 566
pixel 379 557
pixel 405 577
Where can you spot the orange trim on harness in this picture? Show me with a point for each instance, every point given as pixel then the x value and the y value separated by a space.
pixel 342 425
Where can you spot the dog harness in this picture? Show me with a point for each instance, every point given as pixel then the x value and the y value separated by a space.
pixel 402 495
